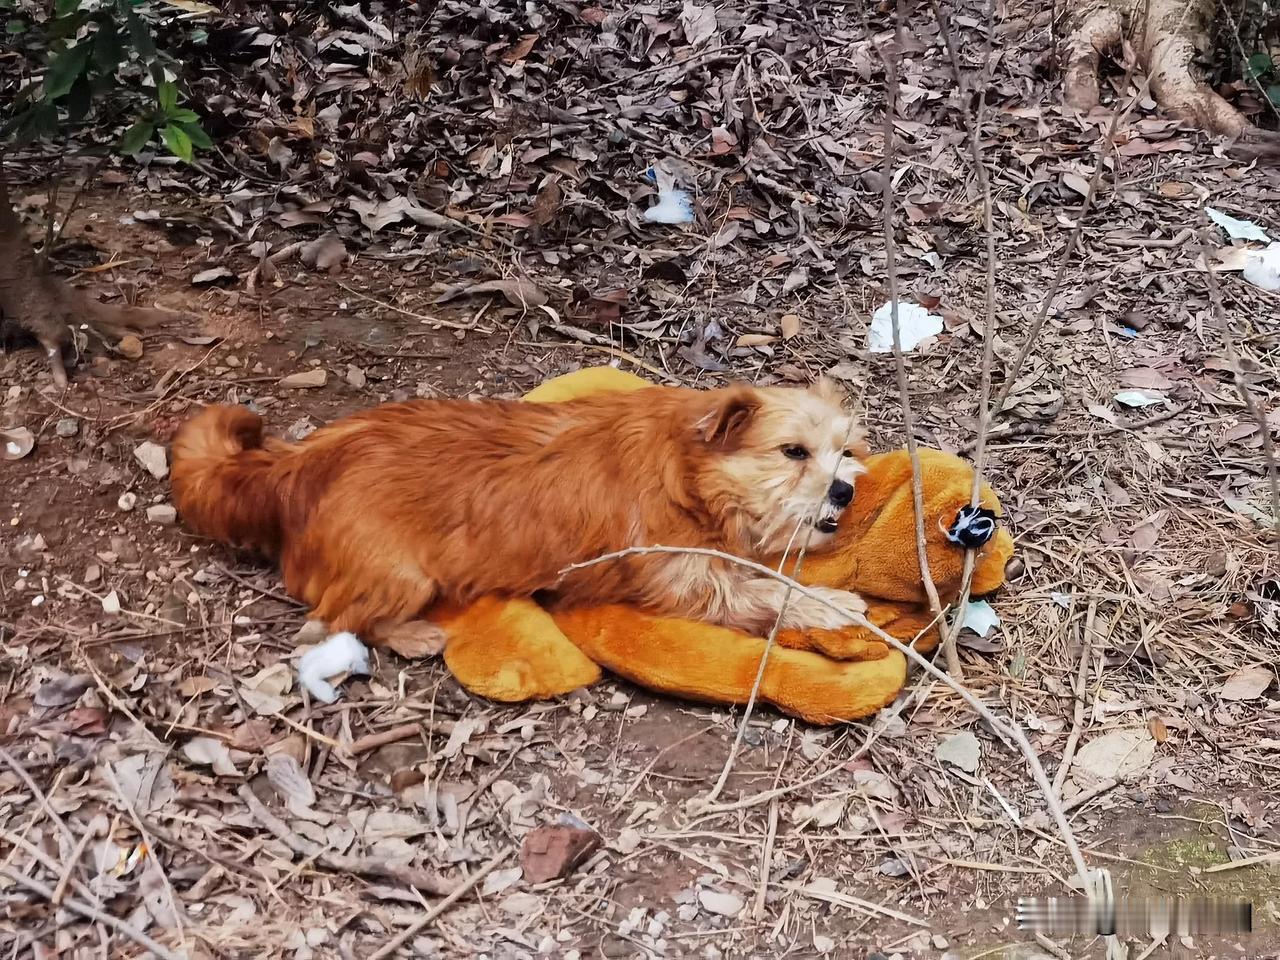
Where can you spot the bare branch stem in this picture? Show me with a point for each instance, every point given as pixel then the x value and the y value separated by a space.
pixel 1010 730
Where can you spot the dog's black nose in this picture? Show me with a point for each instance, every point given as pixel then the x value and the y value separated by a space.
pixel 840 494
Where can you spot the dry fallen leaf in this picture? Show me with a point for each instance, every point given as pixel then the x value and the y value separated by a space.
pixel 520 49
pixel 518 291
pixel 210 752
pixel 790 325
pixel 699 23
pixel 1247 683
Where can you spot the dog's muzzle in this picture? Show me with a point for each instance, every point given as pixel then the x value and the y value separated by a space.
pixel 839 496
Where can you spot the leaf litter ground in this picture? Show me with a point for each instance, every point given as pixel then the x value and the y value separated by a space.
pixel 356 240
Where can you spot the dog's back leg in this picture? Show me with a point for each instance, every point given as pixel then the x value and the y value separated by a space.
pixel 413 640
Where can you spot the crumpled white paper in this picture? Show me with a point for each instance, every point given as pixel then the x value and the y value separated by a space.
pixel 915 324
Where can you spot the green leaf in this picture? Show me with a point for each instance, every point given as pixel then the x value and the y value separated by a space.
pixel 1259 65
pixel 15 27
pixel 199 138
pixel 138 32
pixel 107 52
pixel 137 137
pixel 1273 93
pixel 183 115
pixel 64 70
pixel 65 28
pixel 63 7
pixel 178 142
pixel 167 96
pixel 40 121
pixel 79 99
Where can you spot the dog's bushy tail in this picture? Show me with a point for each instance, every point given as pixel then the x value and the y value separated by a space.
pixel 222 479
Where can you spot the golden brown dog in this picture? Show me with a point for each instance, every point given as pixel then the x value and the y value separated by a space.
pixel 377 516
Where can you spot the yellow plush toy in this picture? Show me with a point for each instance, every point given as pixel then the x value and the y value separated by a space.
pixel 513 650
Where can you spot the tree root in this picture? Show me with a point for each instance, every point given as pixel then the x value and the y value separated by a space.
pixel 47 307
pixel 1166 42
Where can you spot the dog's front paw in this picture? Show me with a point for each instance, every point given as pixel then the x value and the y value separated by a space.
pixel 825 609
pixel 414 640
pixel 847 643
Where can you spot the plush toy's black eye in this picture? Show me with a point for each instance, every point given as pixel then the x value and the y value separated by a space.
pixel 848 453
pixel 795 452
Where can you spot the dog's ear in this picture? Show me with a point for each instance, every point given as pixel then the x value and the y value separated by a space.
pixel 734 409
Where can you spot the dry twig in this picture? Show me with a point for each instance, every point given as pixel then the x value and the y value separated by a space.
pixel 889 57
pixel 1008 730
pixel 92 912
pixel 394 944
pixel 360 866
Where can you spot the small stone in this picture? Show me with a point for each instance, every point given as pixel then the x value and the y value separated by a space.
pixel 125 550
pixel 723 904
pixel 552 851
pixel 127 501
pixel 164 514
pixel 153 458
pixel 129 347
pixel 111 603
pixel 29 548
pixel 232 360
pixel 299 429
pixel 92 573
pixel 961 749
pixel 67 427
pixel 305 380
pixel 356 377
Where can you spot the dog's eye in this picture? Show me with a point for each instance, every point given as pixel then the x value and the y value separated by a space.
pixel 795 452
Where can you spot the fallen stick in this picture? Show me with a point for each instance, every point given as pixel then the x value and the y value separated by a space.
pixel 403 732
pixel 93 913
pixel 423 880
pixel 1084 796
pixel 396 942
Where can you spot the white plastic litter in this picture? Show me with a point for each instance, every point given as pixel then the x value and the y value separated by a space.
pixel 1262 268
pixel 980 617
pixel 1237 229
pixel 915 324
pixel 674 205
pixel 340 653
pixel 1140 398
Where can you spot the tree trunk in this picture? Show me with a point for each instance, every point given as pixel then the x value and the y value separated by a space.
pixel 1166 42
pixel 47 307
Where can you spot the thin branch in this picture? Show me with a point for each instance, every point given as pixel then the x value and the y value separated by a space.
pixel 889 55
pixel 974 125
pixel 1242 387
pixel 1010 730
pixel 93 913
pixel 1073 239
pixel 1077 723
pixel 361 866
pixel 12 761
pixel 394 944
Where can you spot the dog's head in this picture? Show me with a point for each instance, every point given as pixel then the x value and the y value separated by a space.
pixel 774 460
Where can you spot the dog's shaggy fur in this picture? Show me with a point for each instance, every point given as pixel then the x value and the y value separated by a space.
pixel 377 516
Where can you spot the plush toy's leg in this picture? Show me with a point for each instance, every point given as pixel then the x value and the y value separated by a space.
pixel 511 651
pixel 709 663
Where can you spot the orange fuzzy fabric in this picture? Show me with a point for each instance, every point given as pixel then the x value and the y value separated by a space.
pixel 514 650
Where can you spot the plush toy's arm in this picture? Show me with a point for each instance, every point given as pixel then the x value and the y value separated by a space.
pixel 709 663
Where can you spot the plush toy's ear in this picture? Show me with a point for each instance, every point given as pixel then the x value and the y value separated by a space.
pixel 734 409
